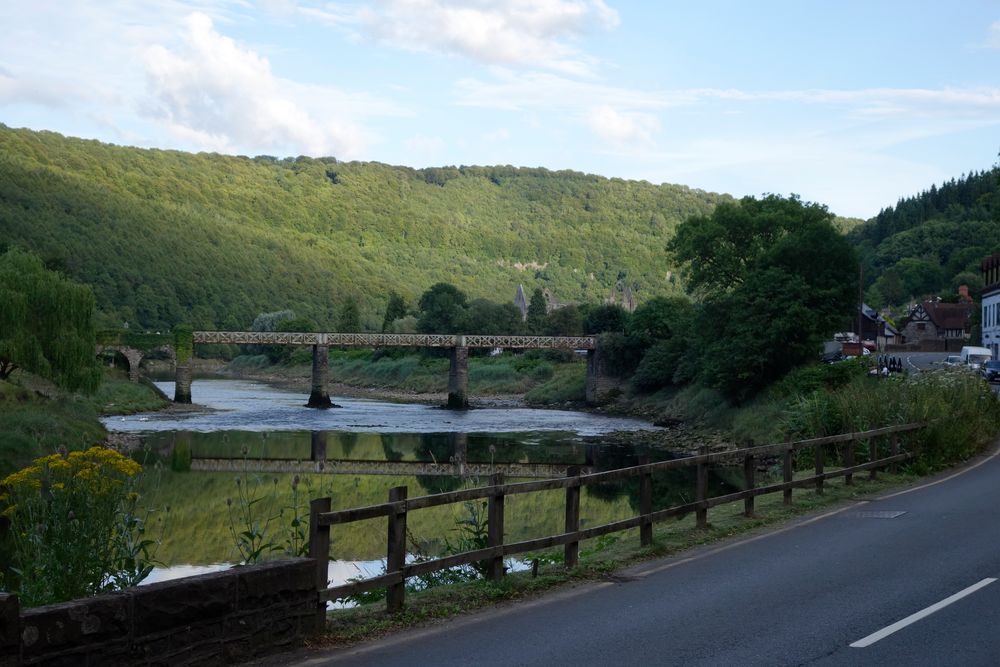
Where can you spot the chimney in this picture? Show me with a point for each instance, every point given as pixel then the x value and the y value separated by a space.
pixel 963 293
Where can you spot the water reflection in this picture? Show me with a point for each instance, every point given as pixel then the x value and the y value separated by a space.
pixel 265 438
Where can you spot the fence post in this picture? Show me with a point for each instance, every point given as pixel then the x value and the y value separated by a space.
pixel 319 542
pixel 395 556
pixel 873 449
pixel 787 474
pixel 571 553
pixel 645 504
pixel 894 451
pixel 819 469
pixel 749 481
pixel 849 462
pixel 701 492
pixel 494 520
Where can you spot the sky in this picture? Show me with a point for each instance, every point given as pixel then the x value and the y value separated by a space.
pixel 852 104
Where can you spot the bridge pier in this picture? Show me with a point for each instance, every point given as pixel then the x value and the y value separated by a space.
pixel 458 378
pixel 319 397
pixel 597 389
pixel 182 381
pixel 134 358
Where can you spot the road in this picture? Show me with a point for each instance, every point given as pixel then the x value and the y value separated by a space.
pixel 921 360
pixel 823 591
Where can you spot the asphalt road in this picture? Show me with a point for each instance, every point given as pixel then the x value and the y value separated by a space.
pixel 921 360
pixel 800 595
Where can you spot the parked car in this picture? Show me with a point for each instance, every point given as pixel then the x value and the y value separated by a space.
pixel 952 360
pixel 991 371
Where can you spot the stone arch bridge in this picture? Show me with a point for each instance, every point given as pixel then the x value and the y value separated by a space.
pixel 458 346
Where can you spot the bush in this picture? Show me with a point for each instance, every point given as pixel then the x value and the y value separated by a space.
pixel 960 411
pixel 75 530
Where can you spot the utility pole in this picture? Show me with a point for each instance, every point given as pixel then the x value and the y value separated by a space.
pixel 861 310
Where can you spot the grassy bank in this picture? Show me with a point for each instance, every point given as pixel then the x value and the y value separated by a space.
pixel 36 419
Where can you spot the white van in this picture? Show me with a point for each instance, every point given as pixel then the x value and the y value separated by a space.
pixel 974 357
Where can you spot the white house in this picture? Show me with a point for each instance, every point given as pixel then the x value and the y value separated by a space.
pixel 991 303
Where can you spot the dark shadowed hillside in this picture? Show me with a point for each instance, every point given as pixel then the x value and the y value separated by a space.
pixel 932 242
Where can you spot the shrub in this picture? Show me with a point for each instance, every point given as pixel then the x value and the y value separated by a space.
pixel 961 413
pixel 75 530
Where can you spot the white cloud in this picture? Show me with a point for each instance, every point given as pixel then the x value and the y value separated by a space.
pixel 622 128
pixel 993 36
pixel 515 91
pixel 525 33
pixel 217 95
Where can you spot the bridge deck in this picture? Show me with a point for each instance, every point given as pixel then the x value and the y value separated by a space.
pixel 396 340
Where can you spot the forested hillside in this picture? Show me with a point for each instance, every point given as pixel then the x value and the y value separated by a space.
pixel 932 242
pixel 166 237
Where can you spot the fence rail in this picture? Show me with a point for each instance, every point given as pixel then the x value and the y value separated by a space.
pixel 398 505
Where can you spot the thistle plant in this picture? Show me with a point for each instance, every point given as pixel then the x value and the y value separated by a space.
pixel 250 515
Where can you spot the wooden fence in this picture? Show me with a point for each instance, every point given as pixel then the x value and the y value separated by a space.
pixel 398 505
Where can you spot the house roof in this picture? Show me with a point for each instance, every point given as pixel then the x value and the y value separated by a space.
pixel 874 316
pixel 948 315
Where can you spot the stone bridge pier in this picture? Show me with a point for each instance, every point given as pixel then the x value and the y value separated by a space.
pixel 319 397
pixel 598 385
pixel 458 377
pixel 132 356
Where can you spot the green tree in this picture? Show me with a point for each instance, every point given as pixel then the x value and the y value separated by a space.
pixel 658 318
pixel 786 280
pixel 565 321
pixel 395 309
pixel 483 316
pixel 269 322
pixel 349 317
pixel 441 309
pixel 606 318
pixel 722 249
pixel 537 311
pixel 46 324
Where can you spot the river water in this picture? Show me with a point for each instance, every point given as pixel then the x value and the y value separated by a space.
pixel 250 425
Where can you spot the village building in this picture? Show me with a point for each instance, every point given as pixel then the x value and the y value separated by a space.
pixel 990 313
pixel 874 327
pixel 937 324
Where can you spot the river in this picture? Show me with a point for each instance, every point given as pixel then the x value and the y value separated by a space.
pixel 248 426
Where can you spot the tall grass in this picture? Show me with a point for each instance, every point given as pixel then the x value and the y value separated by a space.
pixel 961 413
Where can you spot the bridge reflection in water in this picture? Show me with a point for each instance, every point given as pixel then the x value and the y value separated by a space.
pixel 443 454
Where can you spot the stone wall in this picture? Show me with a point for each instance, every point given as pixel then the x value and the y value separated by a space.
pixel 213 619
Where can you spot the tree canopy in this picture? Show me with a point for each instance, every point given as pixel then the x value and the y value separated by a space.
pixel 46 324
pixel 795 286
pixel 165 237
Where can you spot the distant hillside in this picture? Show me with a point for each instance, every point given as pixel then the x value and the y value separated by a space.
pixel 166 236
pixel 932 242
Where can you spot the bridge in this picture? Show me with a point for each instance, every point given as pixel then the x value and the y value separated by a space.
pixel 458 346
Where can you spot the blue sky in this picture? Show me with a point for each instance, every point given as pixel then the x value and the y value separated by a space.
pixel 851 104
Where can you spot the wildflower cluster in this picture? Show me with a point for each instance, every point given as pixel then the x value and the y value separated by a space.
pixel 75 527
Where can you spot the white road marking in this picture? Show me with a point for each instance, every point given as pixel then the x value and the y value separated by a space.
pixel 923 613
